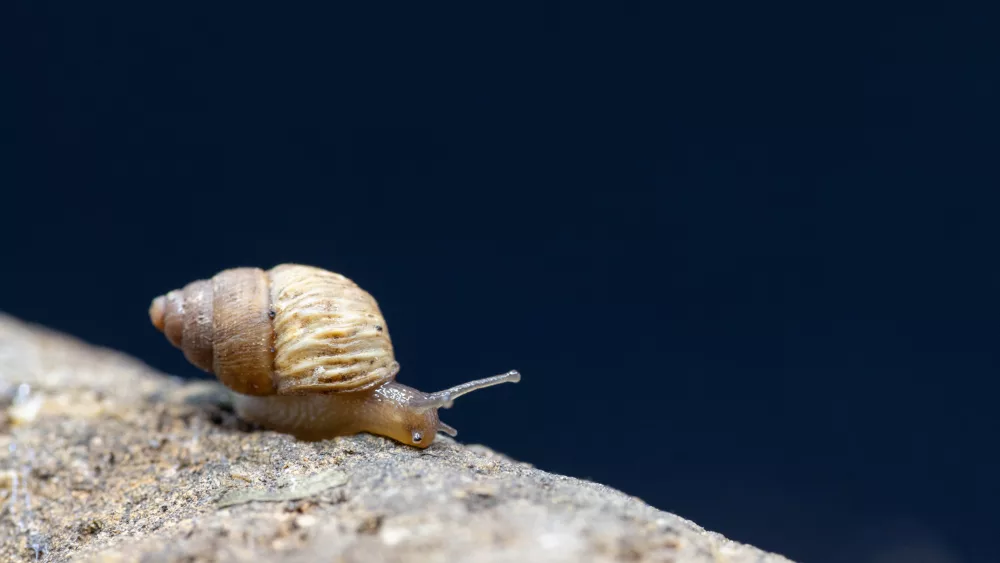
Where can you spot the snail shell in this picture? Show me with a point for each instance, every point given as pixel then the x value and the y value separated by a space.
pixel 290 330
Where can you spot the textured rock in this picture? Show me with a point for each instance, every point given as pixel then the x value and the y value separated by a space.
pixel 109 460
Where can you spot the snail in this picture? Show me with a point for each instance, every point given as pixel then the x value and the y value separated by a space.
pixel 304 351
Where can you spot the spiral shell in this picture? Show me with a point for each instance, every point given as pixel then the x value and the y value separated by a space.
pixel 289 330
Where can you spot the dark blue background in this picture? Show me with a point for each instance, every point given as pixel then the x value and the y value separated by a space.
pixel 743 254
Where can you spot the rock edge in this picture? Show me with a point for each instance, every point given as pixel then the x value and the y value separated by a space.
pixel 109 460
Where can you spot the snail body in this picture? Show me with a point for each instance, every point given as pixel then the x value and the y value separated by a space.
pixel 305 351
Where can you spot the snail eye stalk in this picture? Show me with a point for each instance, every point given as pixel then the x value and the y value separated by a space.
pixel 445 399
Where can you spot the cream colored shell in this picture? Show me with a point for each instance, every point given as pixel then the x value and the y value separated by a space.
pixel 329 334
pixel 290 330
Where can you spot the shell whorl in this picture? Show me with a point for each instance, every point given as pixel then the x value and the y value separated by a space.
pixel 289 330
pixel 329 333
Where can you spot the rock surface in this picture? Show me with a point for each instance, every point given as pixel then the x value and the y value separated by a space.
pixel 108 460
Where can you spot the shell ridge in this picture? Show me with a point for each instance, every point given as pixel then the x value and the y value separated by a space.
pixel 329 333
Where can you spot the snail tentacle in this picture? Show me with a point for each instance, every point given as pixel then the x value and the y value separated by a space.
pixel 445 399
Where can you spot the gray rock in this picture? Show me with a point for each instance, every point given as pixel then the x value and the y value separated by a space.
pixel 109 460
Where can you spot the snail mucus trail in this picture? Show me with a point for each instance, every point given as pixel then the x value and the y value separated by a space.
pixel 305 352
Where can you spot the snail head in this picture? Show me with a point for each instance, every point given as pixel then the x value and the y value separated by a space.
pixel 416 422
